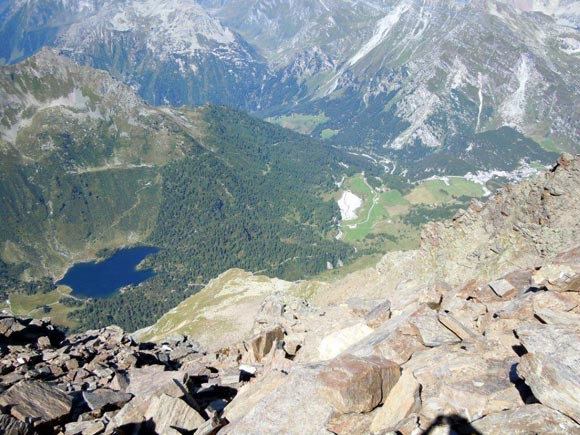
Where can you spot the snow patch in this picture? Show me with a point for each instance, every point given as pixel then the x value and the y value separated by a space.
pixel 482 177
pixel 348 204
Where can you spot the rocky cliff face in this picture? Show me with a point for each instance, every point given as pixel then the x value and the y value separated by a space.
pixel 446 342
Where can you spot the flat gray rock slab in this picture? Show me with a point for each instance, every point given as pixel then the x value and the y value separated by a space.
pixel 10 426
pixel 39 401
pixel 172 416
pixel 151 381
pixel 560 342
pixel 103 398
pixel 530 419
pixel 553 383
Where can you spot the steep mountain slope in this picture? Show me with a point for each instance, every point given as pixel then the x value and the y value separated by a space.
pixel 429 84
pixel 476 332
pixel 171 51
pixel 87 166
pixel 439 87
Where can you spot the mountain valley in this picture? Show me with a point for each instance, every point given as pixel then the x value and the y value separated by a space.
pixel 89 167
pixel 441 88
pixel 301 217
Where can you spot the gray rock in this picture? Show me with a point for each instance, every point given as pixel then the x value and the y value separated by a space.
pixel 552 317
pixel 211 426
pixel 153 380
pixel 503 288
pixel 530 419
pixel 431 331
pixel 379 314
pixel 553 383
pixel 40 401
pixel 172 416
pixel 10 426
pixel 560 342
pixel 105 398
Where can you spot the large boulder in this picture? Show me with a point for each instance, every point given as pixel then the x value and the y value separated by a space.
pixel 530 419
pixel 260 344
pixel 466 380
pixel 292 406
pixel 338 341
pixel 353 384
pixel 401 401
pixel 153 380
pixel 41 402
pixel 554 383
pixel 560 342
pixel 171 416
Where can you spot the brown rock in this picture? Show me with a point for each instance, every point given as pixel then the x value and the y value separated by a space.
pixel 503 288
pixel 250 394
pixel 347 424
pixel 553 383
pixel 39 401
pixel 10 325
pixel 292 407
pixel 458 328
pixel 131 415
pixel 402 400
pixel 356 384
pixel 395 340
pixel 261 344
pixel 462 380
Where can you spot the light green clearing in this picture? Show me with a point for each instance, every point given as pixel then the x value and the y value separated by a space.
pixel 327 133
pixel 382 213
pixel 26 305
pixel 434 192
pixel 301 123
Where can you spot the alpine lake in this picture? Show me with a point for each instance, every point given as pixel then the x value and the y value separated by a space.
pixel 102 279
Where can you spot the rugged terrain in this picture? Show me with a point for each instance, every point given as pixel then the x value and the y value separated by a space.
pixel 89 167
pixel 437 87
pixel 482 339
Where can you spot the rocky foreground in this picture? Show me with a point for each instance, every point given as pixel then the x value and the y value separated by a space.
pixel 478 332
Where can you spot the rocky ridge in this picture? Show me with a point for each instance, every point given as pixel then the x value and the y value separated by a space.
pixel 490 349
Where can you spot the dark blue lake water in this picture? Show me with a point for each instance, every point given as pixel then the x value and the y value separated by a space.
pixel 105 278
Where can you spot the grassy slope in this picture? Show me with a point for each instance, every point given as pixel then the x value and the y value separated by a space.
pixel 383 221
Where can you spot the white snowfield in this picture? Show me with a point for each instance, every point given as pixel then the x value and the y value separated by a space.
pixel 348 204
